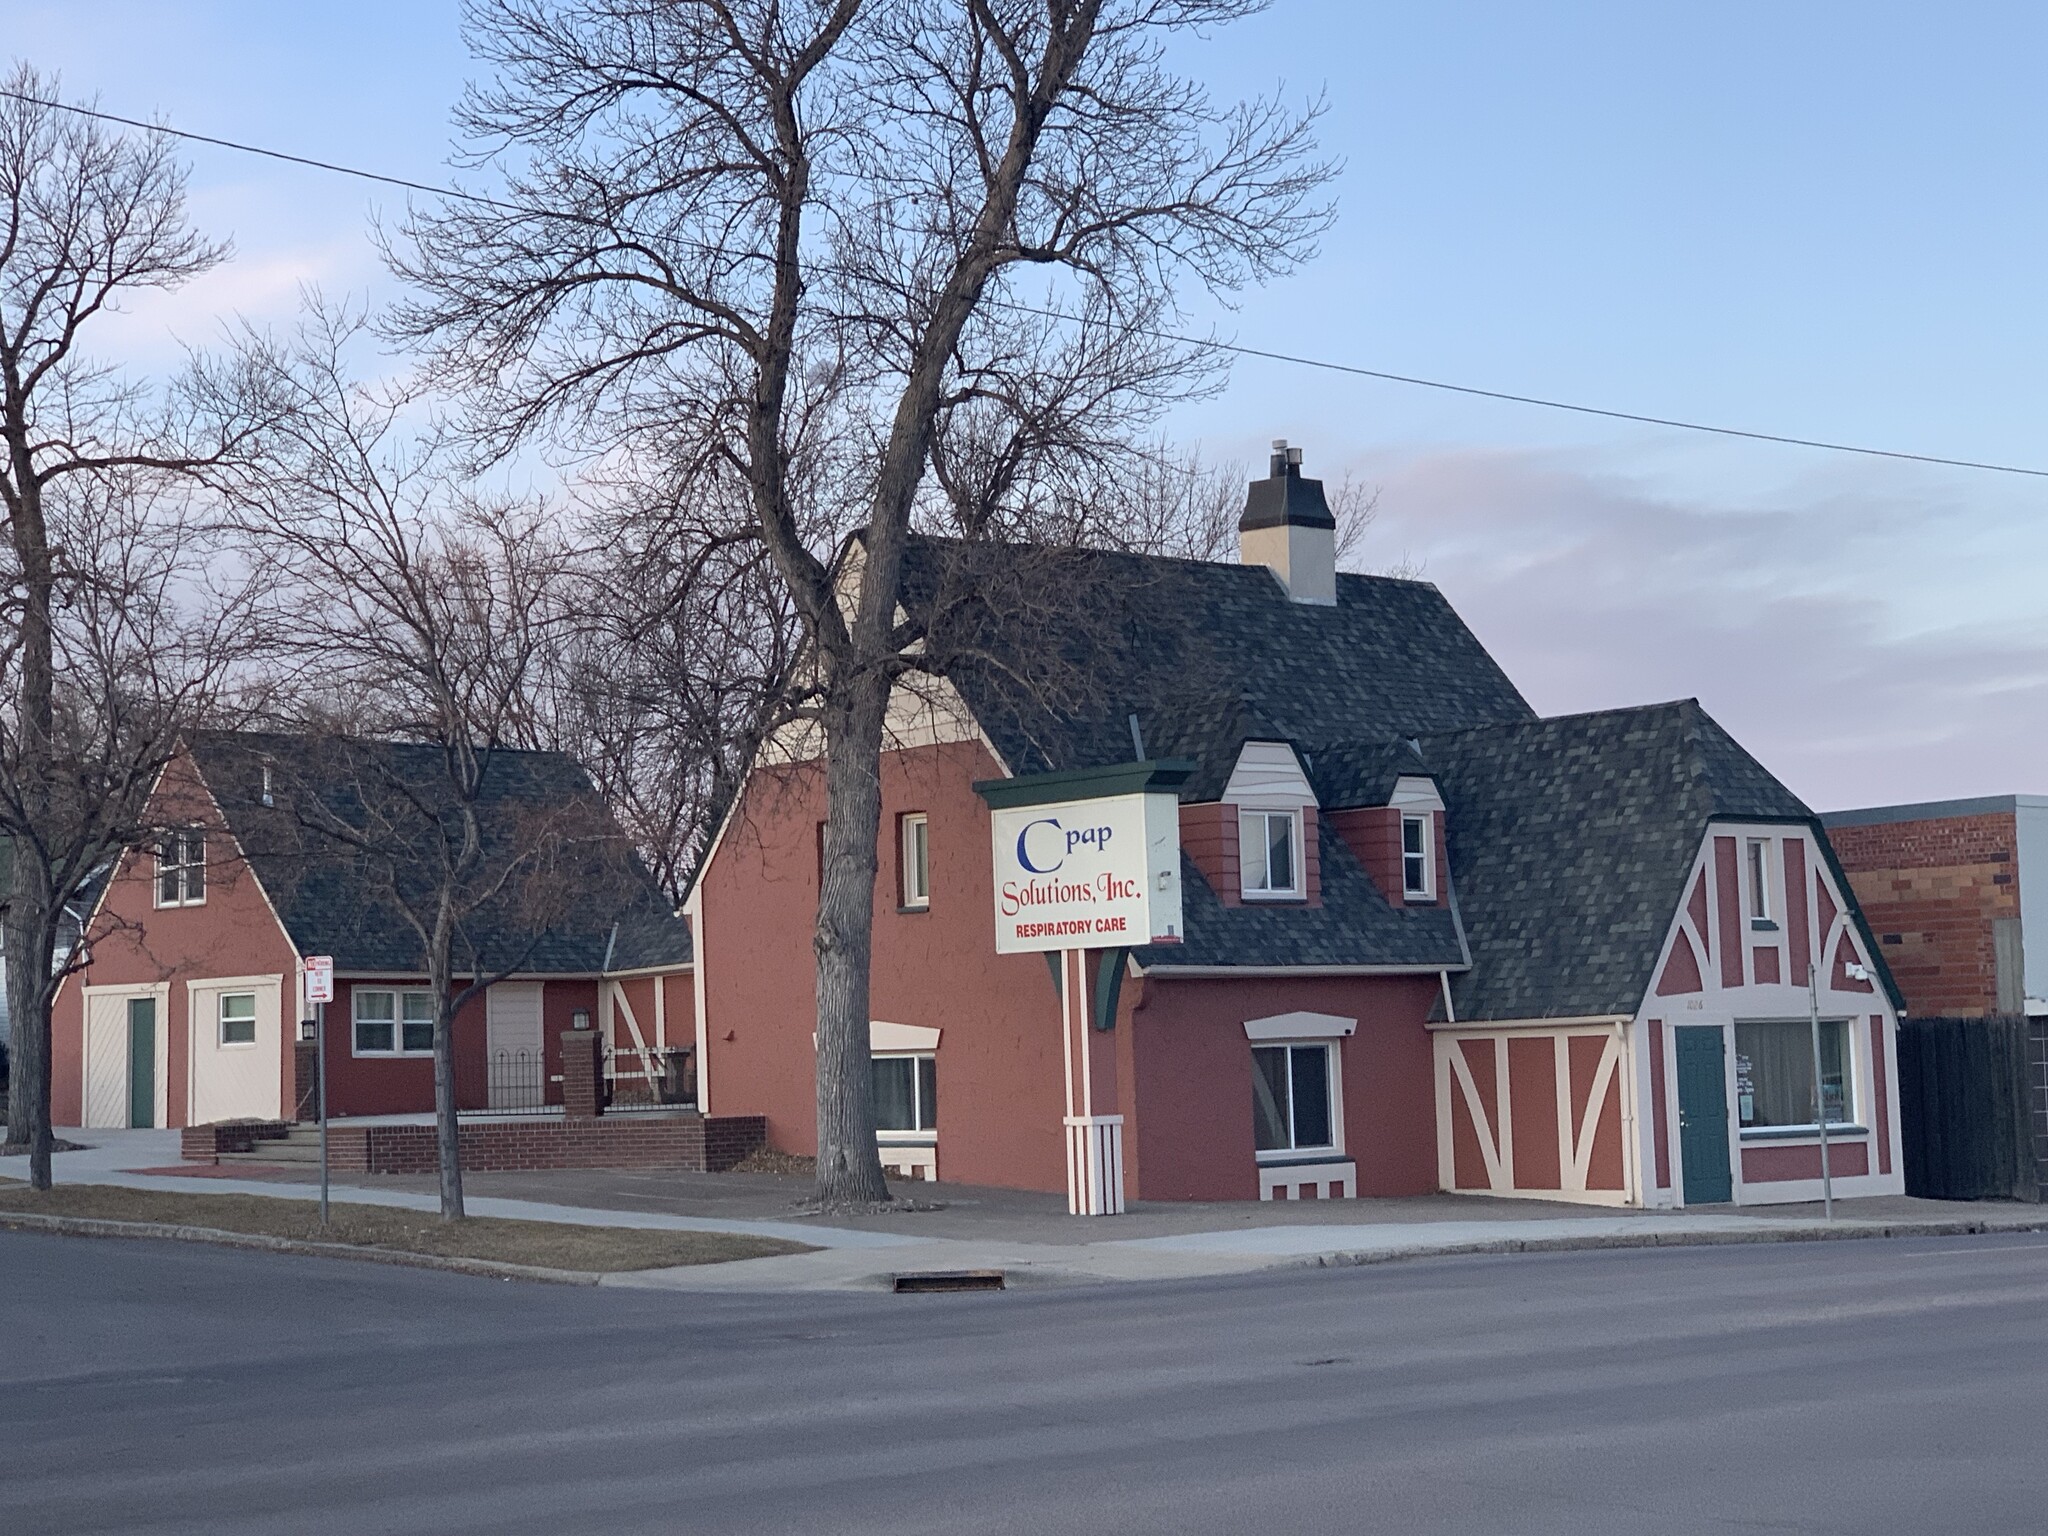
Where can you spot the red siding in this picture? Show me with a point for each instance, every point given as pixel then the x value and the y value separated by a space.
pixel 1532 1102
pixel 1774 1164
pixel 1190 1098
pixel 1208 835
pixel 1730 902
pixel 1681 971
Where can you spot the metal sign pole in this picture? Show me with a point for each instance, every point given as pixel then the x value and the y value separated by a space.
pixel 1820 1093
pixel 320 1034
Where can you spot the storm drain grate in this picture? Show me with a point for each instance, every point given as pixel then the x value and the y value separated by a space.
pixel 951 1280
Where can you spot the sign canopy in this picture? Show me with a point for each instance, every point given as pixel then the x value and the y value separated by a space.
pixel 319 978
pixel 1087 859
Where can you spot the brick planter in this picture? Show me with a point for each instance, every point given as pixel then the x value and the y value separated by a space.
pixel 205 1143
pixel 688 1142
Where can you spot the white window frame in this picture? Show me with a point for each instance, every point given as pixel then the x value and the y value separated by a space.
pixel 1264 817
pixel 182 869
pixel 915 828
pixel 925 1135
pixel 1758 866
pixel 1333 1080
pixel 221 1023
pixel 1426 891
pixel 398 996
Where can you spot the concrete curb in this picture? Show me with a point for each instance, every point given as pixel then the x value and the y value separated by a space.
pixel 1344 1259
pixel 93 1226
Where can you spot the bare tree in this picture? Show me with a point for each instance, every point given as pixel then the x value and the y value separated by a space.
pixel 425 613
pixel 806 246
pixel 112 640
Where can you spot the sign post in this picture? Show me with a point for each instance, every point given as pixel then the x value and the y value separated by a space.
pixel 320 992
pixel 1087 860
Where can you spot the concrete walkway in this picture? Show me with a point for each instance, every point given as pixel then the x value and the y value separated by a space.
pixel 1027 1236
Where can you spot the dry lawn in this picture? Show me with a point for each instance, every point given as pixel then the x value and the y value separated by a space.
pixel 543 1244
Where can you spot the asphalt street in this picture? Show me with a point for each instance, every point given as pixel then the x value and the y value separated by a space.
pixel 1866 1387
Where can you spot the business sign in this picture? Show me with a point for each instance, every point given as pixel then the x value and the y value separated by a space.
pixel 319 978
pixel 1087 874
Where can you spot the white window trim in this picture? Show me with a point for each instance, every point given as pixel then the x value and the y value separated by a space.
pixel 220 1020
pixel 1334 1152
pixel 1427 890
pixel 1299 889
pixel 923 1138
pixel 398 1050
pixel 1292 1028
pixel 915 901
pixel 156 884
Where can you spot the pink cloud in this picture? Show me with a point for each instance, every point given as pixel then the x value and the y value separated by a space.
pixel 1851 639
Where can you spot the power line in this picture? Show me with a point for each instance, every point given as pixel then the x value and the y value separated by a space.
pixel 1210 343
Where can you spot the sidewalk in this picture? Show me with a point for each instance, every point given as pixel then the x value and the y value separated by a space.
pixel 1029 1236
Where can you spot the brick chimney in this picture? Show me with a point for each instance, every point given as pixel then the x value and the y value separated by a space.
pixel 1287 527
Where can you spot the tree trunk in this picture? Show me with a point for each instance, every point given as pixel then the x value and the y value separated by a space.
pixel 447 1128
pixel 28 1027
pixel 849 1163
pixel 32 901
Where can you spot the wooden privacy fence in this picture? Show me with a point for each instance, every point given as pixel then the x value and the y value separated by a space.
pixel 1971 1102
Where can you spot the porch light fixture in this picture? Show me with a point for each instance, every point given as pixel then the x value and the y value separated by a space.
pixel 580 1019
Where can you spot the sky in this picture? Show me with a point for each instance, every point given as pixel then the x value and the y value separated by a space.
pixel 1823 220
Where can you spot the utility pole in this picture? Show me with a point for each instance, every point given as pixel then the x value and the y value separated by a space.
pixel 1820 1093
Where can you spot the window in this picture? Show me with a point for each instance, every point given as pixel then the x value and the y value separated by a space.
pixel 238 1018
pixel 181 868
pixel 1759 880
pixel 1291 1098
pixel 906 1093
pixel 1268 843
pixel 392 1023
pixel 1774 1072
pixel 1418 868
pixel 916 857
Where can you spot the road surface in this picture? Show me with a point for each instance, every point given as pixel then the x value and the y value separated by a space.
pixel 1867 1387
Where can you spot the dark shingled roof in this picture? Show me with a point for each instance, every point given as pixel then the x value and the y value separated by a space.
pixel 1355 925
pixel 620 920
pixel 1570 840
pixel 1207 655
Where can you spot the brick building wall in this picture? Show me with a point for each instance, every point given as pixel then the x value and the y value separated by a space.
pixel 1934 891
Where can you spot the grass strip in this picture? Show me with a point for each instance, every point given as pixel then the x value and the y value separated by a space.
pixel 541 1244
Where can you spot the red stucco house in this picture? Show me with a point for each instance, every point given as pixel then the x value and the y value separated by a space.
pixel 191 1000
pixel 1432 941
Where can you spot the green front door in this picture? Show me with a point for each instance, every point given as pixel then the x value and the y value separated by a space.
pixel 1703 1115
pixel 142 1062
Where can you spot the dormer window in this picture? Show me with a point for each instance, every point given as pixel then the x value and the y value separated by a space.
pixel 181 868
pixel 1418 860
pixel 1270 854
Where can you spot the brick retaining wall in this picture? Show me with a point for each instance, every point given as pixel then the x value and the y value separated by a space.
pixel 205 1143
pixel 688 1142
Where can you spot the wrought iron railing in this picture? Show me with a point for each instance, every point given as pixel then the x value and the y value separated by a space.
pixel 517 1083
